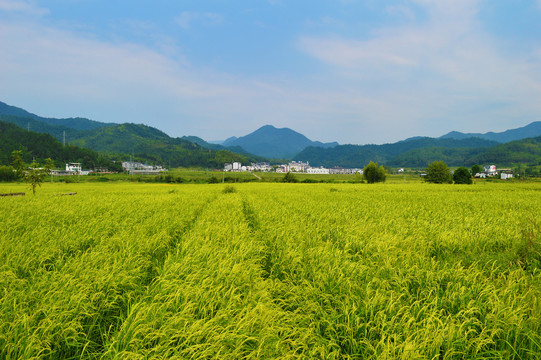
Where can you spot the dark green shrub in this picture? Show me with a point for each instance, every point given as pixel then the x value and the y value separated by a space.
pixel 462 176
pixel 438 173
pixel 374 173
pixel 289 178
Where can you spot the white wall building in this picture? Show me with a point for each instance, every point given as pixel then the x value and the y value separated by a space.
pixel 142 169
pixel 490 169
pixel 295 166
pixel 319 170
pixel 73 167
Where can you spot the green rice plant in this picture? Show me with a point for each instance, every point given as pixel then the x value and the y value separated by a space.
pixel 396 270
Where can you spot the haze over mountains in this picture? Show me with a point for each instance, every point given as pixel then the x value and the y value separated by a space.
pixel 268 142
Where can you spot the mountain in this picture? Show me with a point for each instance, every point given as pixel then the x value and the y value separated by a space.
pixel 355 156
pixel 528 131
pixel 72 123
pixel 228 140
pixel 272 142
pixel 123 141
pixel 42 146
pixel 520 151
pixel 30 124
pixel 149 144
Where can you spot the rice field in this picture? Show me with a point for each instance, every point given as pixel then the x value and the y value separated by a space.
pixel 271 271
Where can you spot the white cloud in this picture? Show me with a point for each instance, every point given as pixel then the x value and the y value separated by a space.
pixel 187 18
pixel 22 7
pixel 400 10
pixel 426 78
pixel 57 73
pixel 443 74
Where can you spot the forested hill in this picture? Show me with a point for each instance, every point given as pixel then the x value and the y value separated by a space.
pixel 154 146
pixel 22 118
pixel 360 155
pixel 519 151
pixel 43 146
pixel 123 141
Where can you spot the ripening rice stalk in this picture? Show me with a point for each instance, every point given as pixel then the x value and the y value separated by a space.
pixel 271 271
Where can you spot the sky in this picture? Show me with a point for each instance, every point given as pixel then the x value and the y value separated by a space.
pixel 356 72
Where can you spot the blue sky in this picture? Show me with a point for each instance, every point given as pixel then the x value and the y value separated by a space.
pixel 349 71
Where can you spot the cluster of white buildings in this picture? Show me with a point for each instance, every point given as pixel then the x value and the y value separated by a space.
pixel 71 169
pixel 133 167
pixel 237 166
pixel 492 171
pixel 293 166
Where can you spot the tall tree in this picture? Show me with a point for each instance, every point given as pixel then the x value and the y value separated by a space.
pixel 35 176
pixel 374 173
pixel 438 173
pixel 462 176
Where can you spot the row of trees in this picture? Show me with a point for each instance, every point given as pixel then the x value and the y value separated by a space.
pixel 438 173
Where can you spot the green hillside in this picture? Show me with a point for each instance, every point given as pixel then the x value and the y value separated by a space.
pixel 32 124
pixel 124 141
pixel 527 151
pixel 42 146
pixel 148 144
pixel 76 123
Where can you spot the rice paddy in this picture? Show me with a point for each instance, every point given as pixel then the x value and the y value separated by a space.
pixel 271 271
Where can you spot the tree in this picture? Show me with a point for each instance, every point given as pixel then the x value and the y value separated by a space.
pixel 374 173
pixel 475 169
pixel 462 176
pixel 49 166
pixel 289 178
pixel 18 163
pixel 35 176
pixel 438 173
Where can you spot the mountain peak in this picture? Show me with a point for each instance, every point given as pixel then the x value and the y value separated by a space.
pixel 272 142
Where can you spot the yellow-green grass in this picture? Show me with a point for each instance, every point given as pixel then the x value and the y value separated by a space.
pixel 396 270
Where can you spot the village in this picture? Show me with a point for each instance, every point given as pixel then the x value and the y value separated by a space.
pixel 138 168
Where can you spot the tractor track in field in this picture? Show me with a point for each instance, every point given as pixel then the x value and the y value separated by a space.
pixel 158 257
pixel 253 223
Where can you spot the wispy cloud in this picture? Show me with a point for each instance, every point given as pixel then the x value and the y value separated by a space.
pixel 22 7
pixel 187 18
pixel 437 71
pixel 447 67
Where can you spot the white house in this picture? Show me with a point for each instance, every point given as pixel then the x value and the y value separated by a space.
pixel 73 167
pixel 296 166
pixel 490 170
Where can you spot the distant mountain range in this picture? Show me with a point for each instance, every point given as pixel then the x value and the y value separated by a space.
pixel 528 131
pixel 123 141
pixel 407 153
pixel 25 118
pixel 149 144
pixel 272 142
